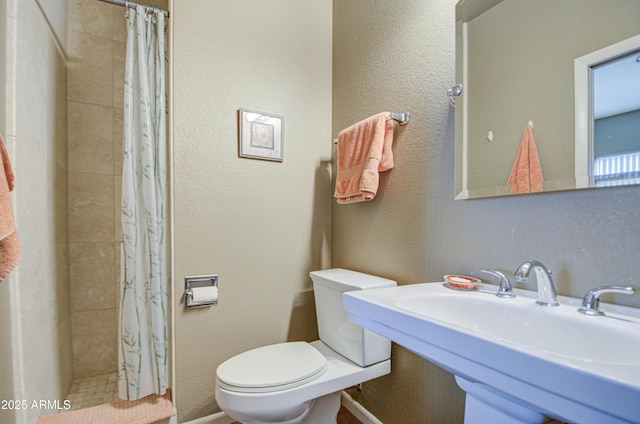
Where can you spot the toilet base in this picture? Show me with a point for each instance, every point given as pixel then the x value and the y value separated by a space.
pixel 324 410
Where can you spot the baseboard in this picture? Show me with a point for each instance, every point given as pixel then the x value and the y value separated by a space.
pixel 218 418
pixel 356 409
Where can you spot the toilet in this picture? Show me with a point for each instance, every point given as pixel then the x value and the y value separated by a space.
pixel 300 382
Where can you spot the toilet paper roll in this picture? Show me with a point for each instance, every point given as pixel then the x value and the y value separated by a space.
pixel 200 295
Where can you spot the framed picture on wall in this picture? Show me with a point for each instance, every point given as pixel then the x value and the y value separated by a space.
pixel 260 135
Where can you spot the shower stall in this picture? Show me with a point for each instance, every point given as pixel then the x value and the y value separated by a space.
pixel 61 115
pixel 95 103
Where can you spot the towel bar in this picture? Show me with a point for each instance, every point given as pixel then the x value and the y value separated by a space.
pixel 402 118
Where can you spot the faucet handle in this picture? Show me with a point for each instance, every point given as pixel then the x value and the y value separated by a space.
pixel 591 301
pixel 505 290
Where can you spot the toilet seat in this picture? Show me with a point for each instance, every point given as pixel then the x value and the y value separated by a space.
pixel 272 368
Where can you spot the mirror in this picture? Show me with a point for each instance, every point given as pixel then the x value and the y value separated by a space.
pixel 551 63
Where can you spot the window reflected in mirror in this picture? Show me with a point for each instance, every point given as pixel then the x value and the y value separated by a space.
pixel 616 121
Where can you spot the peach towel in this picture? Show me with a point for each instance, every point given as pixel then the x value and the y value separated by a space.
pixel 526 174
pixel 10 251
pixel 364 150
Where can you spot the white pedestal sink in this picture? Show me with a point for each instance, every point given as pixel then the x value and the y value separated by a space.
pixel 518 362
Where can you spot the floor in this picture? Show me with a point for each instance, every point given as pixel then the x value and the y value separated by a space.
pixel 345 417
pixel 101 389
pixel 92 391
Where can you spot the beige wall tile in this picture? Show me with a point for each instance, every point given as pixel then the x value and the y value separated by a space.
pixel 118 123
pixel 118 24
pixel 90 68
pixel 160 4
pixel 90 16
pixel 89 83
pixel 94 342
pixel 90 138
pixel 92 276
pixel 90 208
pixel 119 51
pixel 95 93
pixel 117 251
pixel 117 203
pixel 90 49
pixel 87 224
pixel 64 355
pixel 90 190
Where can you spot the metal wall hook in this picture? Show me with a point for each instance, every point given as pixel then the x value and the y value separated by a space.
pixel 454 92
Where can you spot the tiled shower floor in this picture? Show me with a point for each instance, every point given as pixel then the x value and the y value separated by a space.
pixel 92 391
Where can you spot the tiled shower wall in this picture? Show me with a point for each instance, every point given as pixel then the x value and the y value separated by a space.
pixel 96 34
pixel 95 81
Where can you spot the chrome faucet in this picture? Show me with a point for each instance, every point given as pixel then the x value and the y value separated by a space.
pixel 591 301
pixel 505 290
pixel 546 288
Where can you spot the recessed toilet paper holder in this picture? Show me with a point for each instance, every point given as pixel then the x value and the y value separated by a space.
pixel 207 285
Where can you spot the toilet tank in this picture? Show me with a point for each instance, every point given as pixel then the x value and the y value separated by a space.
pixel 351 341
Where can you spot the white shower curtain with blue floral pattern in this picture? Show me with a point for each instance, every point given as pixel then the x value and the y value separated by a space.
pixel 143 331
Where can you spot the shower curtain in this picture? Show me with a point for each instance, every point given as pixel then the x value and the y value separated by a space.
pixel 143 340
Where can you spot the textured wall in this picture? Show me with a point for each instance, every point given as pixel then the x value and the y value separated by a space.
pixel 37 133
pixel 399 55
pixel 262 226
pixel 6 357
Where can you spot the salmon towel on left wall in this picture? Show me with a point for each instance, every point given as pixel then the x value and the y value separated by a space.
pixel 10 251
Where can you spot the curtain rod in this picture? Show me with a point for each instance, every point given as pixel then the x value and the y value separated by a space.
pixel 132 5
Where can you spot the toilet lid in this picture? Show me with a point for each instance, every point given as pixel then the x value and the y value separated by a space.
pixel 271 368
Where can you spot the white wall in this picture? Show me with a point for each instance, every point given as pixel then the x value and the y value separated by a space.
pixel 262 226
pixel 6 358
pixel 35 102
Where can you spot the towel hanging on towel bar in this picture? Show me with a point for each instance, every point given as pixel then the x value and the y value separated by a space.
pixel 364 150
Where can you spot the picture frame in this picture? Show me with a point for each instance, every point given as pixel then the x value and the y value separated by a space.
pixel 260 135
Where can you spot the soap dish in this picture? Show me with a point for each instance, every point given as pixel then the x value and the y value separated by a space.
pixel 461 282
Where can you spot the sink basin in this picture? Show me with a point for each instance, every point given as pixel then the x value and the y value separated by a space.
pixel 517 361
pixel 551 331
